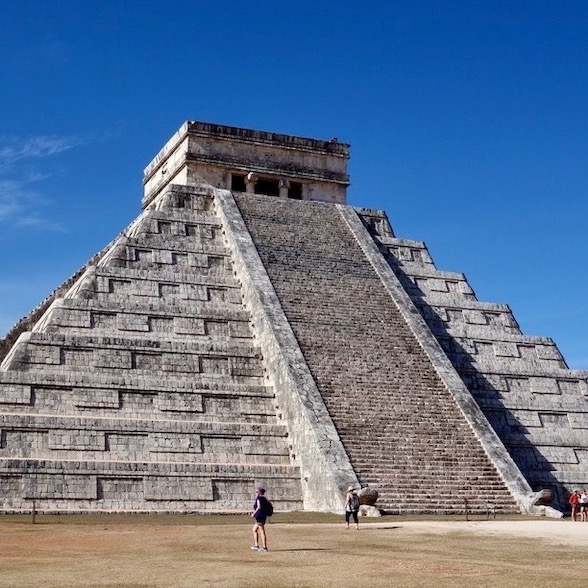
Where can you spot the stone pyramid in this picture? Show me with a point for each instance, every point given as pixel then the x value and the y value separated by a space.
pixel 251 328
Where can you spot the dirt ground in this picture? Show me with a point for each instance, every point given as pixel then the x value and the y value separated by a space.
pixel 306 550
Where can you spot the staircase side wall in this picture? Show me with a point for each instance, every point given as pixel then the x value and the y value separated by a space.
pixel 494 447
pixel 325 467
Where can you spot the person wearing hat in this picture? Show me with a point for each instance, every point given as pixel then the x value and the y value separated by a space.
pixel 351 507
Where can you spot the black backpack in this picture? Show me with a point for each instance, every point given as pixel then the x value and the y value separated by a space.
pixel 268 507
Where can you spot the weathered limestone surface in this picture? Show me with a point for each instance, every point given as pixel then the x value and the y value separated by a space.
pixel 141 388
pixel 325 467
pixel 522 384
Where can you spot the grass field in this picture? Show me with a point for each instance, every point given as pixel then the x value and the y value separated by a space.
pixel 306 550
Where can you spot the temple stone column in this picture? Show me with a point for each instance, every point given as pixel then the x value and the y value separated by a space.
pixel 250 182
pixel 284 186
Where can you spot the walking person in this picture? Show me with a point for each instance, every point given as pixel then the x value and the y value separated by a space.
pixel 351 507
pixel 262 509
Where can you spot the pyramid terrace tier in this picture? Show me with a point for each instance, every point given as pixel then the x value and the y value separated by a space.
pixel 63 353
pixel 153 320
pixel 178 225
pixel 509 352
pixel 88 438
pixel 125 285
pixel 534 403
pixel 95 486
pixel 160 252
pixel 135 397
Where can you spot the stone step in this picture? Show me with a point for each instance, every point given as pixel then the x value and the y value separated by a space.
pixel 112 279
pixel 156 308
pixel 540 380
pixel 131 382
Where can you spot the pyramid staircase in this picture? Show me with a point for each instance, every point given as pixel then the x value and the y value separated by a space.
pixel 400 425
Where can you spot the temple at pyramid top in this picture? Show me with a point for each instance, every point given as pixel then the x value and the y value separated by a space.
pixel 245 160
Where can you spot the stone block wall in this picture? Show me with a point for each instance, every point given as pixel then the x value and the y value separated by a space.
pixel 326 471
pixel 141 388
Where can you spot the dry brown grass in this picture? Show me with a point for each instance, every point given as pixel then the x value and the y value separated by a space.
pixel 306 550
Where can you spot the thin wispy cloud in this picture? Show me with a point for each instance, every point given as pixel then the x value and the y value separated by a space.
pixel 12 196
pixel 14 150
pixel 36 221
pixel 22 206
pixel 21 197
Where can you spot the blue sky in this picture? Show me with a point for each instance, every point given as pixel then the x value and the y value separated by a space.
pixel 467 121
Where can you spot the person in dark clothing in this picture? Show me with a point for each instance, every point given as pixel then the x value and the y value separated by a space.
pixel 260 515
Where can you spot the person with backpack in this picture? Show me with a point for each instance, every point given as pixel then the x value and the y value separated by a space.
pixel 262 509
pixel 351 507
